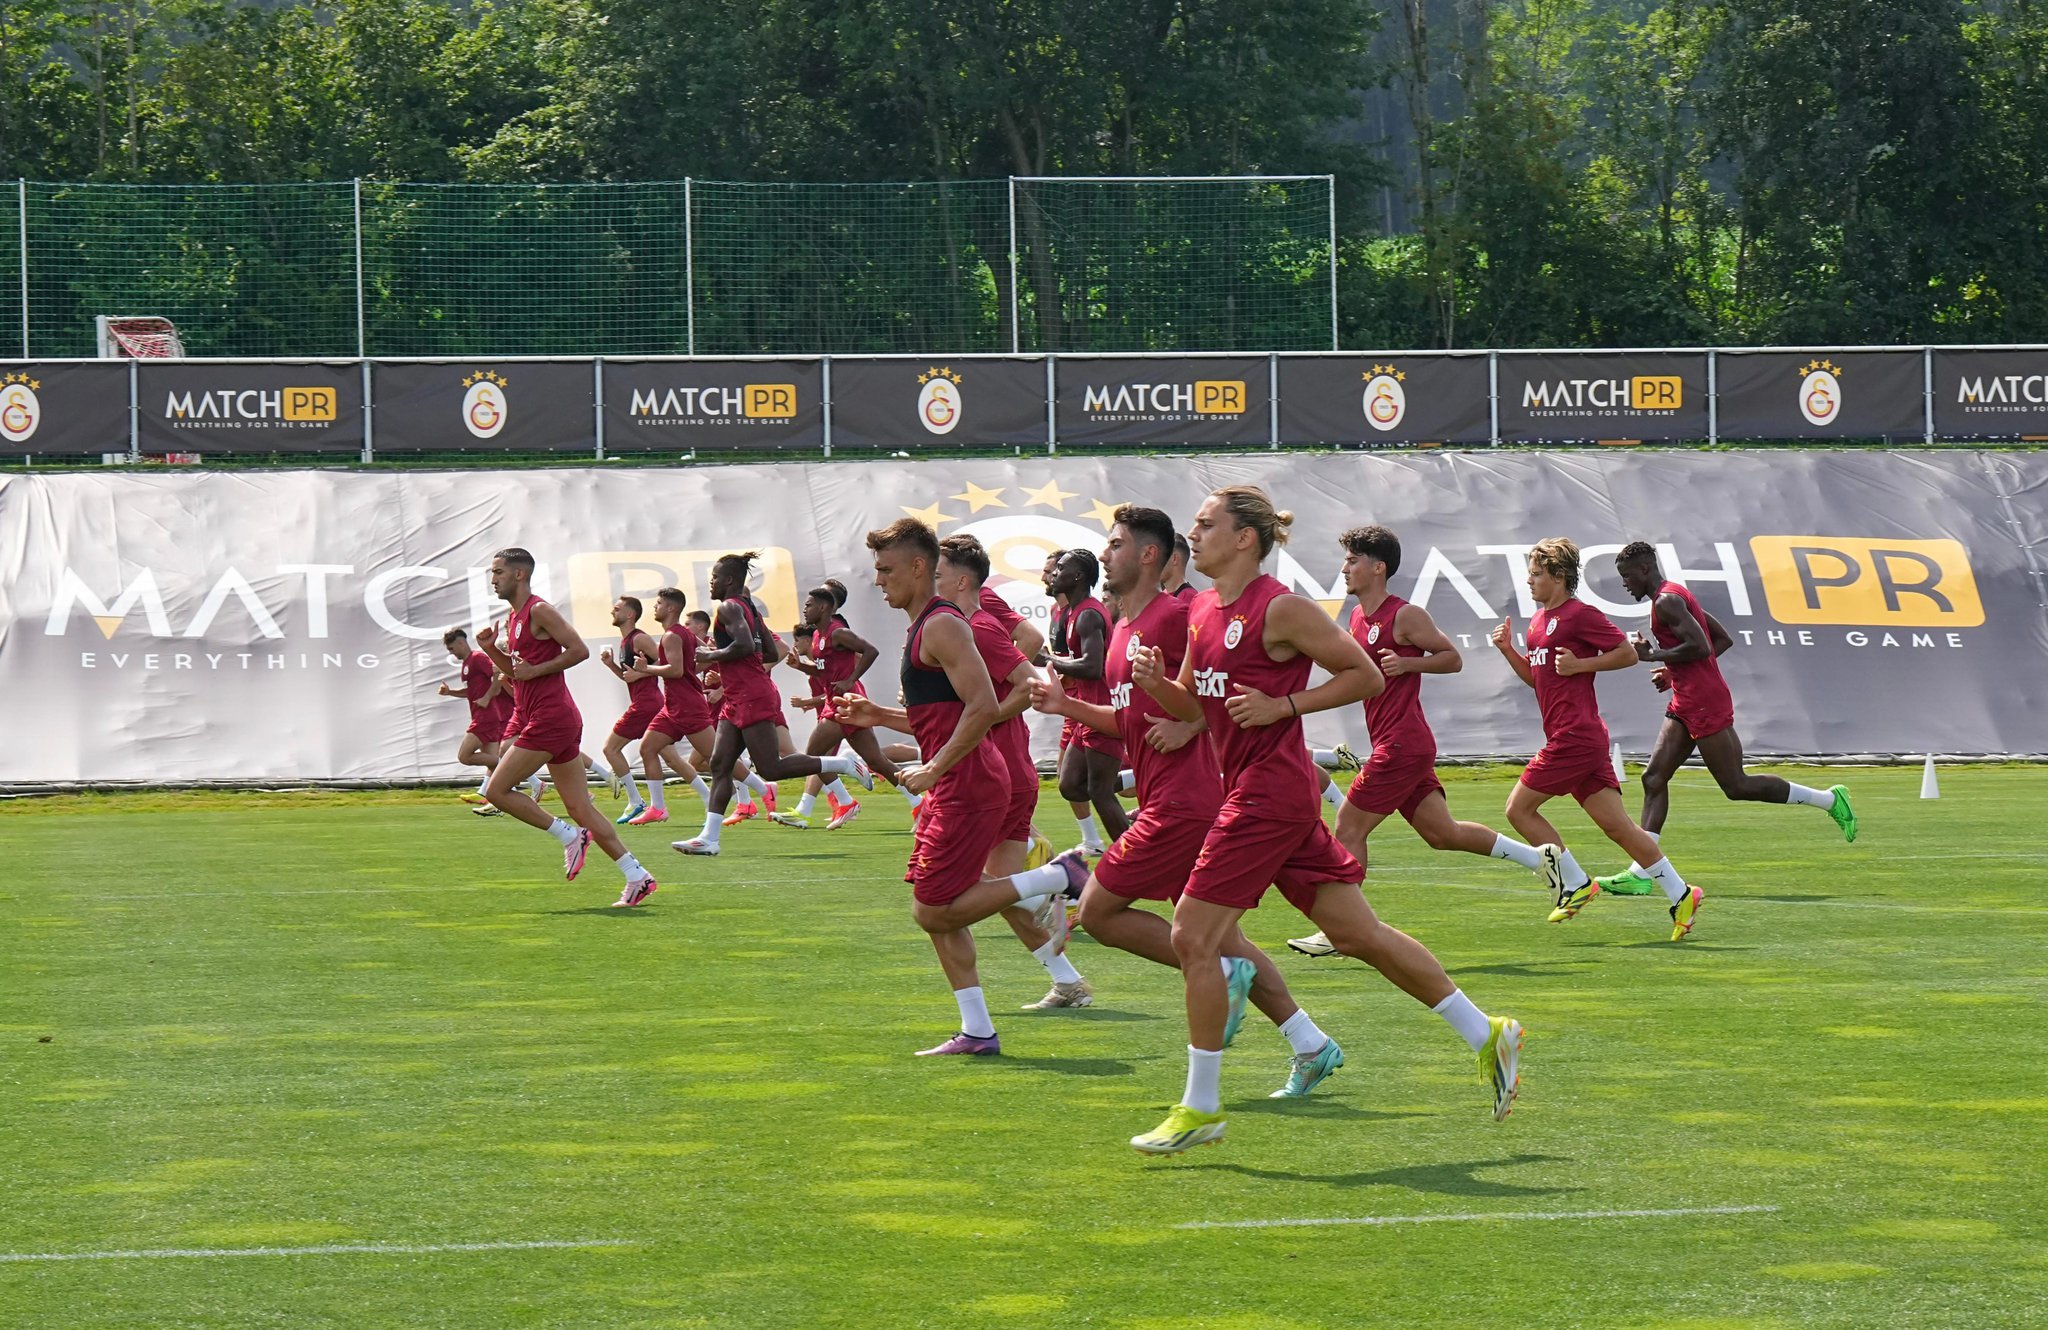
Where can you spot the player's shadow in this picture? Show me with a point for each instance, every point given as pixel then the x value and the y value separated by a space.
pixel 1519 969
pixel 608 911
pixel 1431 1179
pixel 1076 1066
pixel 1097 1015
pixel 1661 943
pixel 1329 1110
pixel 1791 900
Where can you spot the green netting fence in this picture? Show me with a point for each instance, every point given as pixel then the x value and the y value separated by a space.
pixel 675 267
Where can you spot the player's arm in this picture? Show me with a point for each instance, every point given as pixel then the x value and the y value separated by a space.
pixel 1053 700
pixel 1297 622
pixel 867 711
pixel 1503 639
pixel 548 621
pixel 491 693
pixel 1413 627
pixel 487 642
pixel 1028 639
pixel 848 640
pixel 1177 696
pixel 1022 680
pixel 1092 656
pixel 1719 635
pixel 948 642
pixel 739 632
pixel 1620 656
pixel 1692 642
pixel 606 659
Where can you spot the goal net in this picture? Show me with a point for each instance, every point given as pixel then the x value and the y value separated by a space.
pixel 138 337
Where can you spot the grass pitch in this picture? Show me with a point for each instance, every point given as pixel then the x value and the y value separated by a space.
pixel 347 1022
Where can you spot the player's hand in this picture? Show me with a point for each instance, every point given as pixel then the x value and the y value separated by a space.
pixel 1503 636
pixel 487 636
pixel 917 780
pixel 807 703
pixel 1567 664
pixel 1642 646
pixel 1660 678
pixel 1042 658
pixel 630 676
pixel 524 671
pixel 446 691
pixel 1252 709
pixel 859 710
pixel 711 679
pixel 606 656
pixel 1394 665
pixel 1148 667
pixel 1048 696
pixel 1169 734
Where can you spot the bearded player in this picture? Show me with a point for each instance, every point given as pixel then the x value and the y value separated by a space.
pixel 1089 759
pixel 1251 644
pixel 490 707
pixel 643 696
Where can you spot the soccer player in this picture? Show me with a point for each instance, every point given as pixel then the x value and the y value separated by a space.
pixel 683 714
pixel 740 641
pixel 490 707
pixel 1400 776
pixel 1174 581
pixel 1568 643
pixel 1689 645
pixel 837 659
pixel 963 578
pixel 1251 644
pixel 643 696
pixel 1089 759
pixel 949 704
pixel 1179 796
pixel 546 729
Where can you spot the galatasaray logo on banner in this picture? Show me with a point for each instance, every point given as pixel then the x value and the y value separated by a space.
pixel 1386 402
pixel 1820 392
pixel 938 400
pixel 20 412
pixel 484 405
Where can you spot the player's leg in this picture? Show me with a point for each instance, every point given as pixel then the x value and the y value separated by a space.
pixel 1201 932
pixel 1105 776
pixel 1722 752
pixel 582 810
pixel 615 760
pixel 1604 806
pixel 955 948
pixel 513 770
pixel 725 752
pixel 473 752
pixel 1047 944
pixel 1071 770
pixel 825 739
pixel 1040 891
pixel 1354 826
pixel 772 764
pixel 657 753
pixel 1570 885
pixel 1667 755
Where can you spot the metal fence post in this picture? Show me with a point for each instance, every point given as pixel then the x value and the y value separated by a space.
pixel 134 417
pixel 825 407
pixel 1493 398
pixel 689 266
pixel 1273 399
pixel 362 347
pixel 1927 388
pixel 1015 343
pixel 1713 396
pixel 1052 410
pixel 369 421
pixel 21 199
pixel 597 401
pixel 1333 260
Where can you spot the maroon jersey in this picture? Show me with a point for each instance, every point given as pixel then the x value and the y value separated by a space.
pixel 1066 642
pixel 1571 709
pixel 745 680
pixel 641 692
pixel 477 672
pixel 1001 611
pixel 1182 783
pixel 935 710
pixel 1187 593
pixel 547 696
pixel 1011 738
pixel 1266 769
pixel 838 663
pixel 1696 685
pixel 1395 716
pixel 680 644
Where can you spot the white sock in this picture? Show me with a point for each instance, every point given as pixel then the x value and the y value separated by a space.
pixel 1806 794
pixel 756 784
pixel 1466 1019
pixel 1089 835
pixel 565 832
pixel 1574 876
pixel 1302 1034
pixel 600 770
pixel 836 766
pixel 912 799
pixel 1226 967
pixel 974 1013
pixel 1205 1080
pixel 484 784
pixel 713 824
pixel 1665 876
pixel 533 785
pixel 657 794
pixel 837 789
pixel 1326 758
pixel 632 869
pixel 1333 796
pixel 632 786
pixel 1525 855
pixel 1637 868
pixel 1126 781
pixel 1056 965
pixel 1040 881
pixel 806 804
pixel 701 788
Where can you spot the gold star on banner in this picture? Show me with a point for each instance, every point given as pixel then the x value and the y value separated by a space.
pixel 1104 513
pixel 976 498
pixel 468 379
pixel 1050 494
pixel 931 516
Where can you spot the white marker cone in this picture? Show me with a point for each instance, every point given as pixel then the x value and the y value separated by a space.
pixel 1929 787
pixel 1620 772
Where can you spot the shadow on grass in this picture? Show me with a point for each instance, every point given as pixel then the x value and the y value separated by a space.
pixel 1519 969
pixel 1660 942
pixel 1431 1179
pixel 1788 900
pixel 1098 1015
pixel 1075 1066
pixel 609 911
pixel 1328 1110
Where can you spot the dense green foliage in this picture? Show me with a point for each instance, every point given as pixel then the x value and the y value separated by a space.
pixel 1579 171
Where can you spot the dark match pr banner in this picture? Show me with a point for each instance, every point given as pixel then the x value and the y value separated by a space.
pixel 1386 397
pixel 1991 394
pixel 484 406
pixel 963 402
pixel 1563 396
pixel 1163 399
pixel 691 405
pixel 54 408
pixel 1820 395
pixel 248 407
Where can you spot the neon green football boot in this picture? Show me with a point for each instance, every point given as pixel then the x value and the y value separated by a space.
pixel 1184 1129
pixel 1500 1064
pixel 1844 815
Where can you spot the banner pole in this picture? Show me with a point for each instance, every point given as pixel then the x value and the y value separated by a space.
pixel 1493 398
pixel 1273 399
pixel 134 418
pixel 689 267
pixel 21 217
pixel 1927 389
pixel 369 426
pixel 1332 182
pixel 825 385
pixel 1052 419
pixel 597 401
pixel 1015 344
pixel 1713 396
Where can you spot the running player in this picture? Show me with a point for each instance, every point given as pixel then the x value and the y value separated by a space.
pixel 643 696
pixel 837 659
pixel 1568 643
pixel 740 641
pixel 546 729
pixel 1175 579
pixel 684 714
pixel 490 707
pixel 949 704
pixel 1251 644
pixel 1400 776
pixel 1179 795
pixel 1687 654
pixel 1089 759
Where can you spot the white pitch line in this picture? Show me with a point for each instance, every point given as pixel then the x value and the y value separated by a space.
pixel 1377 1221
pixel 333 1249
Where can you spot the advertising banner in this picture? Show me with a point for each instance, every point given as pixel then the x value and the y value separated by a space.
pixel 248 407
pixel 690 405
pixel 1562 396
pixel 906 405
pixel 61 409
pixel 1820 395
pixel 503 406
pixel 1164 399
pixel 1386 397
pixel 1990 394
pixel 286 626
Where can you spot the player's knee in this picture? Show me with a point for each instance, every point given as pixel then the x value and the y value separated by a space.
pixel 1191 946
pixel 1097 908
pixel 1435 837
pixel 1074 788
pixel 1656 782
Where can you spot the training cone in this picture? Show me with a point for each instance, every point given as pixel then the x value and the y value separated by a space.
pixel 1929 787
pixel 1620 772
